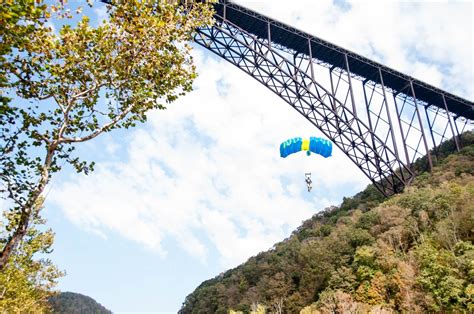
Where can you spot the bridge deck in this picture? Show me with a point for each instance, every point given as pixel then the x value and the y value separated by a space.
pixel 325 51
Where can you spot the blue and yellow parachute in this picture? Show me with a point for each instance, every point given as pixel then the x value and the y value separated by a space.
pixel 316 145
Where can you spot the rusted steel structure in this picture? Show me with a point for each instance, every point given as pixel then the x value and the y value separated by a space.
pixel 383 120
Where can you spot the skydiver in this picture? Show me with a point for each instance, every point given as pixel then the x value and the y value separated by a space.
pixel 308 182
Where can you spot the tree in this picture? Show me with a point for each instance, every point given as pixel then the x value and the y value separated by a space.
pixel 26 283
pixel 277 305
pixel 71 302
pixel 446 276
pixel 258 309
pixel 76 85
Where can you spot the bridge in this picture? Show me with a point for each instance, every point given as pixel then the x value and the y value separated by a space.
pixel 383 120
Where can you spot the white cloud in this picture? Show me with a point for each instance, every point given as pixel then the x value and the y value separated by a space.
pixel 208 168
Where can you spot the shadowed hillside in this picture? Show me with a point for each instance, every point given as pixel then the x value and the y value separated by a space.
pixel 70 302
pixel 410 253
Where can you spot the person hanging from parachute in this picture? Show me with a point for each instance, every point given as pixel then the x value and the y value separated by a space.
pixel 316 145
pixel 308 181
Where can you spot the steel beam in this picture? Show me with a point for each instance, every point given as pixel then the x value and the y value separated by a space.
pixel 456 141
pixel 428 154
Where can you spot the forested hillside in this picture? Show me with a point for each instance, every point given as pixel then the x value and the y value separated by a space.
pixel 410 253
pixel 70 302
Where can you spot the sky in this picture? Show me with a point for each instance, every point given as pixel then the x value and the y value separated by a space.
pixel 201 187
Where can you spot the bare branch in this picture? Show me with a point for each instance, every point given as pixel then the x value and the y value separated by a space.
pixel 98 111
pixel 45 97
pixel 70 105
pixel 59 103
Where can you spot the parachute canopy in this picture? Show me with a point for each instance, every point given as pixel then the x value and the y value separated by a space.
pixel 316 145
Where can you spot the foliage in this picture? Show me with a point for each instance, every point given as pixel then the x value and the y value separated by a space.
pixel 19 20
pixel 81 82
pixel 447 284
pixel 26 283
pixel 70 302
pixel 411 253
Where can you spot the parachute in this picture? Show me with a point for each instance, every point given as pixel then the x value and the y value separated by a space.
pixel 316 145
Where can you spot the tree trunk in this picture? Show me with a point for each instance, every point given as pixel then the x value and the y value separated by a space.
pixel 14 239
pixel 26 211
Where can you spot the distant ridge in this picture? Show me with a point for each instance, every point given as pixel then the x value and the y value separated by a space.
pixel 74 303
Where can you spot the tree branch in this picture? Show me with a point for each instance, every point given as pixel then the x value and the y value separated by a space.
pixel 82 94
pixel 30 83
pixel 105 127
pixel 12 194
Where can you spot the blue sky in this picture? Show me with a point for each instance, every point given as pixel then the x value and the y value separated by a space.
pixel 200 187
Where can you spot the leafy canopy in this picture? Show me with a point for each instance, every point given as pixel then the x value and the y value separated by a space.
pixel 88 80
pixel 61 88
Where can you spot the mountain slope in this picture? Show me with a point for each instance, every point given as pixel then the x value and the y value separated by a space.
pixel 70 302
pixel 410 253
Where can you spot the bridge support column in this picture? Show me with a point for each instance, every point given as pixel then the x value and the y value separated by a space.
pixel 428 154
pixel 455 136
pixel 399 118
pixel 392 131
pixel 430 126
pixel 348 69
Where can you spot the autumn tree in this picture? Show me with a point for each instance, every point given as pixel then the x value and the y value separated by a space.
pixel 72 86
pixel 26 283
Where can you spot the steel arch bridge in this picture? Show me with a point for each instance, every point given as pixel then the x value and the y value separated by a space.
pixel 381 119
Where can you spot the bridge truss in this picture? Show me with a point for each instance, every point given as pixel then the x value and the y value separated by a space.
pixel 381 119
